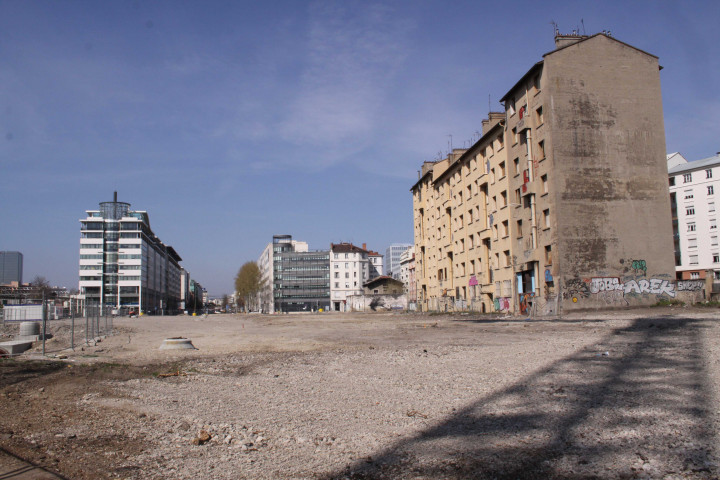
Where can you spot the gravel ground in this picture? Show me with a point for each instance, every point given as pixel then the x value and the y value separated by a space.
pixel 631 394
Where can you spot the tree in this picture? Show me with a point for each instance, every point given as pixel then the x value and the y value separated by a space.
pixel 248 282
pixel 41 286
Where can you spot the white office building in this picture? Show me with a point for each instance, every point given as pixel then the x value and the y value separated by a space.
pixel 693 189
pixel 124 265
pixel 392 259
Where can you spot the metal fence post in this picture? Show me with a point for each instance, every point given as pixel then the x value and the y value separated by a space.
pixel 44 321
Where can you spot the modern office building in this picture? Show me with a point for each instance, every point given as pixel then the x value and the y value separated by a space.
pixel 350 267
pixel 562 203
pixel 266 265
pixel 124 265
pixel 694 216
pixel 301 278
pixel 11 268
pixel 392 258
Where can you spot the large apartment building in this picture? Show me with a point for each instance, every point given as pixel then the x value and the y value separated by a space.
pixel 695 218
pixel 562 203
pixel 124 265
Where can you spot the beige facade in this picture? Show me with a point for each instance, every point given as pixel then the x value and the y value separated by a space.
pixel 562 204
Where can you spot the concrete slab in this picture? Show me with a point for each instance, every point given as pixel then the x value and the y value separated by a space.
pixel 14 347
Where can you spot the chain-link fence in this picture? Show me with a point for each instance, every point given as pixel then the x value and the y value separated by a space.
pixel 52 329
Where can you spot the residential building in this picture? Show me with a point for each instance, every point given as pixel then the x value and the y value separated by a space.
pixel 350 267
pixel 407 258
pixel 392 258
pixel 559 205
pixel 375 264
pixel 11 268
pixel 693 187
pixel 301 279
pixel 124 265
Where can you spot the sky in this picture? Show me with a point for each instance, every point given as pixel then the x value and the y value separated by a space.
pixel 232 121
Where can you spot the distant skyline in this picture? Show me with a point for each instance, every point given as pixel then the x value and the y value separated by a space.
pixel 230 122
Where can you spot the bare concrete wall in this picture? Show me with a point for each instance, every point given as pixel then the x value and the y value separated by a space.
pixel 612 209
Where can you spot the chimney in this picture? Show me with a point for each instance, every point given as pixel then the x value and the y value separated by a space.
pixel 565 40
pixel 364 246
pixel 115 197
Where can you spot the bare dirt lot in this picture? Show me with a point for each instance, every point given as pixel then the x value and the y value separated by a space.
pixel 631 394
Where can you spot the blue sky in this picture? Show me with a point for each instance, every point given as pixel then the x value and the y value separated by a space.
pixel 233 121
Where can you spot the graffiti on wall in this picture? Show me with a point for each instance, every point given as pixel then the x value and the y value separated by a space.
pixel 501 304
pixel 526 302
pixel 576 289
pixel 690 285
pixel 612 290
pixel 639 267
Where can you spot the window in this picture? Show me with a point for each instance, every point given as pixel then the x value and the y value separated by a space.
pixel 546 218
pixel 714 241
pixel 506 254
pixel 347 274
pixel 511 107
pixel 505 228
pixel 539 115
pixel 548 255
pixel 503 196
pixel 694 275
pixel 713 224
pixel 711 206
pixel 516 166
pixel 693 259
pixel 708 173
pixel 692 242
pixel 518 196
pixel 716 257
pixel 536 82
pixel 711 191
pixel 688 194
pixel 519 228
pixel 471 241
pixel 690 211
pixel 502 169
pixel 541 149
pixel 346 256
pixel 544 181
pixel 687 178
pixel 337 274
pixel 500 141
pixel 514 135
pixel 691 227
pixel 672 181
pixel 472 267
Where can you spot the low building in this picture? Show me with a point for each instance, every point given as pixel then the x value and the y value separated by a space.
pixel 384 285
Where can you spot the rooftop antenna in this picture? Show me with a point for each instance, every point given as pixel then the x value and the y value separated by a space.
pixel 583 25
pixel 556 31
pixel 450 143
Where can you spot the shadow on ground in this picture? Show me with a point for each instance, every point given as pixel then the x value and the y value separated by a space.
pixel 636 406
